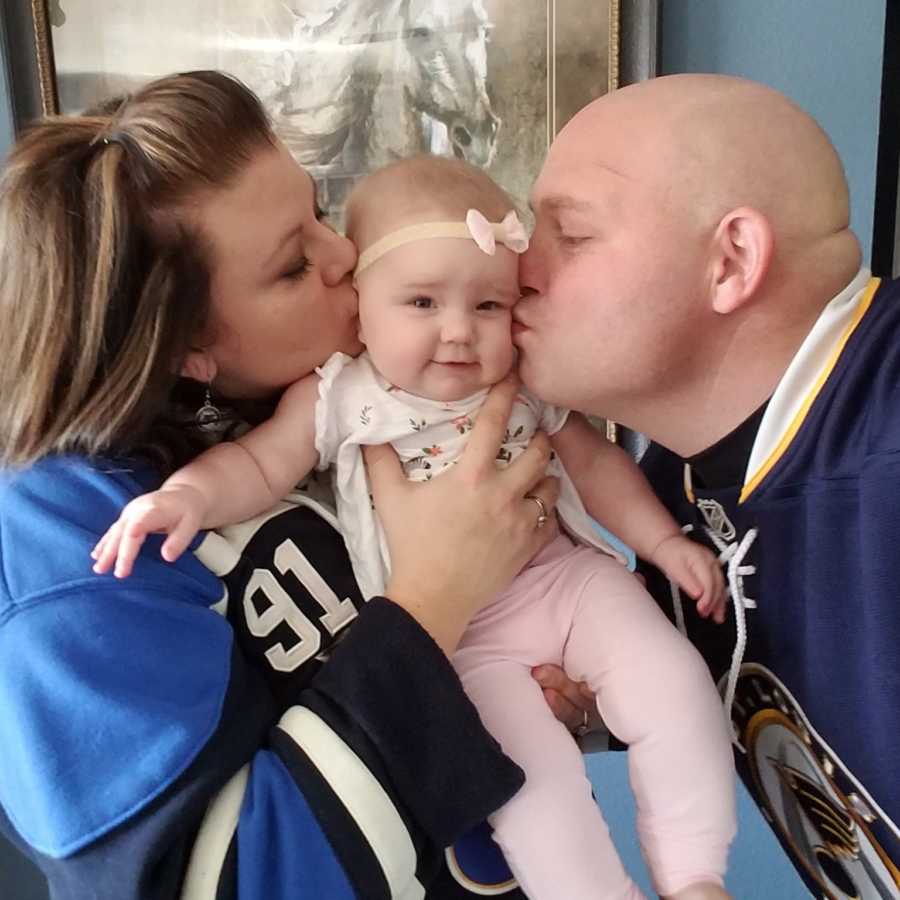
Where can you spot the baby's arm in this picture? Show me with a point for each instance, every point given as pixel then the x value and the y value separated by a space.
pixel 230 482
pixel 616 494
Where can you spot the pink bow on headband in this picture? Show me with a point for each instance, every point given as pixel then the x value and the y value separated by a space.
pixel 510 232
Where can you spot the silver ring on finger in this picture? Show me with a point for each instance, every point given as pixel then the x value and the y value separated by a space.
pixel 582 729
pixel 542 515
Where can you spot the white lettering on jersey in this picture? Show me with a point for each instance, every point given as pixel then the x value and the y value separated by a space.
pixel 338 613
pixel 283 609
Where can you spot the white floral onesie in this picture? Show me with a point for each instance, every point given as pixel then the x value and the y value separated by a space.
pixel 357 406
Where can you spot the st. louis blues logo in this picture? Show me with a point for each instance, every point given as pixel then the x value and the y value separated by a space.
pixel 823 814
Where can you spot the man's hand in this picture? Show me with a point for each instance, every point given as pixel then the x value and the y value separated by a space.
pixel 572 702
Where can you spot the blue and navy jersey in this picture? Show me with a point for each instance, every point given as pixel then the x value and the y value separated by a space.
pixel 215 728
pixel 811 651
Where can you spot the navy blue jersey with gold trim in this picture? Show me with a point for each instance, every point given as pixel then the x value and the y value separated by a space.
pixel 809 542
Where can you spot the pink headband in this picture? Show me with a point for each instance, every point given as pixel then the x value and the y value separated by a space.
pixel 510 232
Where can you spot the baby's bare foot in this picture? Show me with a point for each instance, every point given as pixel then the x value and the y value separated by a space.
pixel 702 890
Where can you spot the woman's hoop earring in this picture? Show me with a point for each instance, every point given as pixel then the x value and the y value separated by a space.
pixel 209 415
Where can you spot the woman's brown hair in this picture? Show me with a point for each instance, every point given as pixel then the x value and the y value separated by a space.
pixel 103 285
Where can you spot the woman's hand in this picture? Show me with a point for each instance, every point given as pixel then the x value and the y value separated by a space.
pixel 456 541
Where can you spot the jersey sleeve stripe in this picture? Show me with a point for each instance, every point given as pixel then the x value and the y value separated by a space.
pixel 363 797
pixel 348 843
pixel 213 840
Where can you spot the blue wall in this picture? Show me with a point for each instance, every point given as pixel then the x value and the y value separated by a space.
pixel 824 54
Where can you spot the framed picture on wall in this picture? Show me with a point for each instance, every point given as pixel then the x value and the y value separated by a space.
pixel 353 84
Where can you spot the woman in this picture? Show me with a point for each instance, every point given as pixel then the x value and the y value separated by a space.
pixel 199 732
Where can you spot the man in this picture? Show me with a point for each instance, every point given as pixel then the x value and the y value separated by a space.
pixel 692 275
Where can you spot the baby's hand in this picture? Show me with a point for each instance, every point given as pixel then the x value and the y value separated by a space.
pixel 695 569
pixel 177 511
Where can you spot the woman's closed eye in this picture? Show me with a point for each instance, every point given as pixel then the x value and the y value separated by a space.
pixel 297 270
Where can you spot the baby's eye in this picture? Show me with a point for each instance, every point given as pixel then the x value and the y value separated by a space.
pixel 489 305
pixel 422 302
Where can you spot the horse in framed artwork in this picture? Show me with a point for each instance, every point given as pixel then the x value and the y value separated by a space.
pixel 365 82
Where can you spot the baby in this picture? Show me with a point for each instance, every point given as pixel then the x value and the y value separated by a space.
pixel 437 281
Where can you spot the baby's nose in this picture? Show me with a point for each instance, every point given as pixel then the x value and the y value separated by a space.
pixel 457 329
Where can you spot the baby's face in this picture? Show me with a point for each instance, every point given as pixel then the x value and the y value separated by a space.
pixel 435 316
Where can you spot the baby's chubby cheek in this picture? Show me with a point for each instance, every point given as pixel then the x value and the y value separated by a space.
pixel 503 361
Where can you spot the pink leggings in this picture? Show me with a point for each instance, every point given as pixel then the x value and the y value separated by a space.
pixel 585 612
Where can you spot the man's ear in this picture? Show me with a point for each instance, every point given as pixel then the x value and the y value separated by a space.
pixel 200 366
pixel 742 252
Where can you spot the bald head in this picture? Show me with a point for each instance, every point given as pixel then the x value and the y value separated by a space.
pixel 692 228
pixel 717 143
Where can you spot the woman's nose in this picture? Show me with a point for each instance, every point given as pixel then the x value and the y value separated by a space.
pixel 339 258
